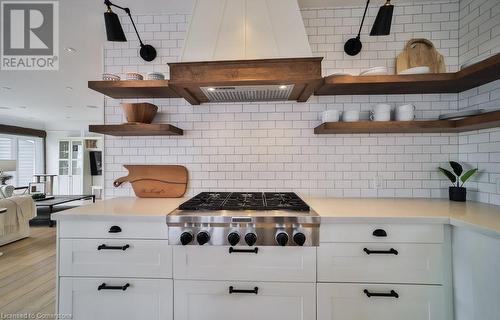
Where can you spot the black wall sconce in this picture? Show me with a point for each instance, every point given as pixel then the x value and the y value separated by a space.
pixel 381 27
pixel 114 31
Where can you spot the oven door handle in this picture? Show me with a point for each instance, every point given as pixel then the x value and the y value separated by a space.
pixel 233 250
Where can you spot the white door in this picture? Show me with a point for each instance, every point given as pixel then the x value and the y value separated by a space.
pixel 63 179
pixel 149 299
pixel 212 300
pixel 408 302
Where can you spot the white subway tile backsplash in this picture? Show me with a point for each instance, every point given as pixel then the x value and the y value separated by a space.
pixel 271 146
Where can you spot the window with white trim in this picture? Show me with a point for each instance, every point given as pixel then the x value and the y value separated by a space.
pixel 28 153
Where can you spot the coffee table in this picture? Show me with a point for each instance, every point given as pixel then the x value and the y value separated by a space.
pixel 2 210
pixel 57 200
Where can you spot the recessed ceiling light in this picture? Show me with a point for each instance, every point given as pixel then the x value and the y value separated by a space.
pixel 283 87
pixel 69 88
pixel 23 107
pixel 70 49
pixel 68 117
pixel 6 88
pixel 211 89
pixel 93 107
pixel 5 108
pixel 69 107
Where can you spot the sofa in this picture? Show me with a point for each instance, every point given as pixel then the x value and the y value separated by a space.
pixel 14 224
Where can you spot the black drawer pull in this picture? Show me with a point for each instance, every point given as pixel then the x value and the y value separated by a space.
pixel 233 290
pixel 115 229
pixel 103 286
pixel 390 251
pixel 379 233
pixel 105 247
pixel 254 250
pixel 392 294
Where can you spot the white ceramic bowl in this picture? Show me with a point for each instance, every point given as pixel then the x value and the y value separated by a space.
pixel 110 77
pixel 134 76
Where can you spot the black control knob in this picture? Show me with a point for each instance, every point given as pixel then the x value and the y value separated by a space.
pixel 299 238
pixel 282 238
pixel 202 237
pixel 250 238
pixel 233 238
pixel 186 238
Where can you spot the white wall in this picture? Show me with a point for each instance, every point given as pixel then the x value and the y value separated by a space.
pixel 476 263
pixel 479 36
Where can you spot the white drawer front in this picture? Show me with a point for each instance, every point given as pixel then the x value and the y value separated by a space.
pixel 296 264
pixel 112 229
pixel 141 258
pixel 350 262
pixel 150 299
pixel 211 300
pixel 349 302
pixel 409 233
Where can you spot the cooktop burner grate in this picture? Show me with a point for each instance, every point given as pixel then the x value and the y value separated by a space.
pixel 245 201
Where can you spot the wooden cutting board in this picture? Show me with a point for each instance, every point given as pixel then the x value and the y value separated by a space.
pixel 156 181
pixel 418 53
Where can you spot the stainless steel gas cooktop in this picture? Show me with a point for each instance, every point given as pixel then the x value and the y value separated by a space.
pixel 244 219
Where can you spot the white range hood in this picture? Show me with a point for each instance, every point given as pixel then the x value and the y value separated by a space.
pixel 245 29
pixel 246 50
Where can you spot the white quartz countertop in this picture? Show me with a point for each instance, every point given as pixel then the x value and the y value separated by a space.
pixel 127 208
pixel 479 217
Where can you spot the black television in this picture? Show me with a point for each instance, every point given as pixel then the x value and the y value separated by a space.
pixel 96 163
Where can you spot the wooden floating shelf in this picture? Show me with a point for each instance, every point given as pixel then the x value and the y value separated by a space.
pixel 483 121
pixel 131 89
pixel 468 78
pixel 142 129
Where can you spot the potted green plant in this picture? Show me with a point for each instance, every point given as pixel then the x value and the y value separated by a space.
pixel 457 192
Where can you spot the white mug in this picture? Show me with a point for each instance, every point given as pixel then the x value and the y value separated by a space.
pixel 330 116
pixel 405 112
pixel 350 116
pixel 380 116
pixel 382 107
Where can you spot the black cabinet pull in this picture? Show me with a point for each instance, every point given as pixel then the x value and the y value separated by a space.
pixel 233 290
pixel 391 294
pixel 105 247
pixel 104 286
pixel 254 250
pixel 390 251
pixel 115 229
pixel 379 233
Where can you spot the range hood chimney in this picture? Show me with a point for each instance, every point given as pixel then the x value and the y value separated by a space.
pixel 246 50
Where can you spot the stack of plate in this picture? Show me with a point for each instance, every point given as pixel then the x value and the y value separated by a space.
pixel 417 70
pixel 110 77
pixel 134 76
pixel 375 71
pixel 156 76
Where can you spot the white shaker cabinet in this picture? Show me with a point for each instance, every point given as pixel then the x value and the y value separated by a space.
pixel 342 301
pixel 213 300
pixel 116 298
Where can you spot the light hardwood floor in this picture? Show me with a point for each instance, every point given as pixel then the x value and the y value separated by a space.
pixel 27 274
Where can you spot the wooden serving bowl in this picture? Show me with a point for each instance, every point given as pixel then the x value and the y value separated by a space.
pixel 139 112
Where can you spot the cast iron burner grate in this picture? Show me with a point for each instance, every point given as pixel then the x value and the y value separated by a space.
pixel 245 201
